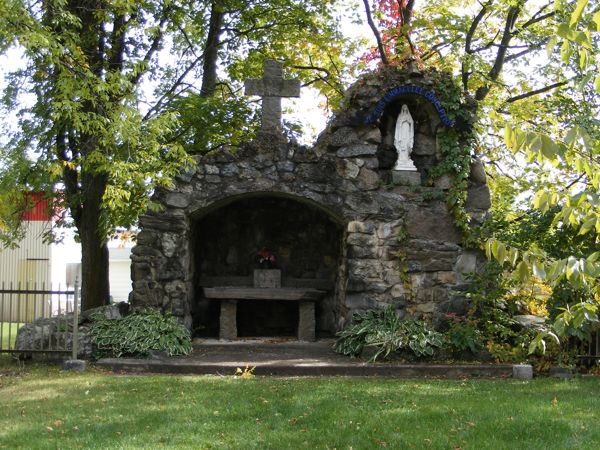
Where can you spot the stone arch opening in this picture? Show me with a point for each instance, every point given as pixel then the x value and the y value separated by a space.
pixel 306 239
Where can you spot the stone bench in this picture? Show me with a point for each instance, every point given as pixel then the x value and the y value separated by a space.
pixel 229 296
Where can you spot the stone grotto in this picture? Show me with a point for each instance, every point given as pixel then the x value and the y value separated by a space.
pixel 344 229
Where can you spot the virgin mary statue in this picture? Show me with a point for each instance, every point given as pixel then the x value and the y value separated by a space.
pixel 404 139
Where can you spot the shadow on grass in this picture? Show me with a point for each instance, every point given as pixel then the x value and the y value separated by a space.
pixel 99 411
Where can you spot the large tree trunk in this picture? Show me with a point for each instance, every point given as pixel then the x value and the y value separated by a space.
pixel 95 288
pixel 211 55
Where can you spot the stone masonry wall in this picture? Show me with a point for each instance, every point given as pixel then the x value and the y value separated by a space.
pixel 399 246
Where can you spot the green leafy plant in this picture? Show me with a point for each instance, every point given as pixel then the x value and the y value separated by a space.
pixel 139 333
pixel 384 332
pixel 491 305
pixel 463 334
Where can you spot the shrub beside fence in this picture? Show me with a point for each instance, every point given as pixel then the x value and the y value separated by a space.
pixel 53 310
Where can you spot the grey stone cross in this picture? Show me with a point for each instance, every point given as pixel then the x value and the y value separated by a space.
pixel 272 87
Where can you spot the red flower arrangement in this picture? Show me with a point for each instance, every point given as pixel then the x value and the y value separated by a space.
pixel 266 259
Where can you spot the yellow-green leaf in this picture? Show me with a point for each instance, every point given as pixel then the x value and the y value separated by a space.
pixel 538 270
pixel 523 271
pixel 596 19
pixel 587 226
pixel 576 15
pixel 550 46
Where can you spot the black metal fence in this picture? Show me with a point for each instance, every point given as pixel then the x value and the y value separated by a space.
pixel 590 350
pixel 38 318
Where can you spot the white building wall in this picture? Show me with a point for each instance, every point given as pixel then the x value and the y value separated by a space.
pixel 26 267
pixel 119 274
pixel 47 265
pixel 30 262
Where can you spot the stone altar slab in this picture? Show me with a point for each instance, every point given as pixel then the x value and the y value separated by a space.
pixel 252 293
pixel 229 296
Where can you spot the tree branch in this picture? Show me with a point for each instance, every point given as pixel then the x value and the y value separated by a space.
pixel 435 49
pixel 380 47
pixel 537 91
pixel 473 28
pixel 494 73
pixel 173 87
pixel 537 18
pixel 524 52
pixel 154 46
pixel 465 72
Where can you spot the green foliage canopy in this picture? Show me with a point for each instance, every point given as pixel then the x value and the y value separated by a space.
pixel 97 140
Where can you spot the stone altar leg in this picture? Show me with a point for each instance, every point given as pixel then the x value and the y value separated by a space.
pixel 306 321
pixel 228 320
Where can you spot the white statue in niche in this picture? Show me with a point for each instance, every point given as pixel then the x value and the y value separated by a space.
pixel 403 140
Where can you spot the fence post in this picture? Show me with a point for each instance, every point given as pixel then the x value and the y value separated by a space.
pixel 75 344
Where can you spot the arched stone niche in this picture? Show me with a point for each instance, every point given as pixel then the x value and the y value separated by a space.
pixel 427 125
pixel 305 238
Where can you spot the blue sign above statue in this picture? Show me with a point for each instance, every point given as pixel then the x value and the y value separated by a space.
pixel 401 90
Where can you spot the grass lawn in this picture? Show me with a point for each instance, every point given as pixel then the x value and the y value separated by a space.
pixel 47 408
pixel 9 334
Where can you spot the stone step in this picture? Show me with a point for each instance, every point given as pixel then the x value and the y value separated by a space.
pixel 293 358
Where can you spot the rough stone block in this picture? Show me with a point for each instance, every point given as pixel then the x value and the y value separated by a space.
pixel 360 252
pixel 227 321
pixel 347 169
pixel 359 301
pixel 478 197
pixel 368 178
pixel 361 239
pixel 425 145
pixel 211 170
pixel 371 163
pixel 523 372
pixel 364 268
pixel 386 230
pixel 444 182
pixel 433 224
pixel 406 178
pixel 465 263
pixel 177 200
pixel 286 166
pixel 230 170
pixel 140 271
pixel 306 321
pixel 448 277
pixel 398 291
pixel 343 136
pixel 74 365
pixel 425 308
pixel 372 136
pixel 355 150
pixel 146 238
pixel 355 285
pixel 357 226
pixel 267 278
pixel 477 173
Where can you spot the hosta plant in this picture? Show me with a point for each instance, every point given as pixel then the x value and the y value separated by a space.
pixel 382 331
pixel 140 333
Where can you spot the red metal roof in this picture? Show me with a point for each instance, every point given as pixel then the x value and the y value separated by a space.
pixel 40 209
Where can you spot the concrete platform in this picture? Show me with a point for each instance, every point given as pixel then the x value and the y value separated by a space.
pixel 278 357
